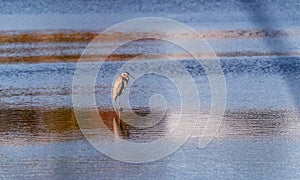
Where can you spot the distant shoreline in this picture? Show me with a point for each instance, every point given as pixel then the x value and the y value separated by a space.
pixel 47 46
pixel 126 57
pixel 86 36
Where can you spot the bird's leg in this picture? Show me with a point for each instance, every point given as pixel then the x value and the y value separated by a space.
pixel 119 104
pixel 119 108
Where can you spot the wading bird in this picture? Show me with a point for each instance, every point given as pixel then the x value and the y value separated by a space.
pixel 119 86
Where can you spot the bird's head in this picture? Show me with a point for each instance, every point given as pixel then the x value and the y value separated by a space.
pixel 126 75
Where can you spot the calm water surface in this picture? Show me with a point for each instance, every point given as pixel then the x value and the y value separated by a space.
pixel 259 135
pixel 44 143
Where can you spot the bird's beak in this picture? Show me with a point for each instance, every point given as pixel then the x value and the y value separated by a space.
pixel 131 76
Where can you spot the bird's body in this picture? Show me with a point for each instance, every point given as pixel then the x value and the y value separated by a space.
pixel 120 86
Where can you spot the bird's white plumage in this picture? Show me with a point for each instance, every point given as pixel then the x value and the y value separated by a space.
pixel 120 85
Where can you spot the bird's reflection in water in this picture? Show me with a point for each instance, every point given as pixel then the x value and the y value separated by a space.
pixel 123 130
pixel 115 124
pixel 22 126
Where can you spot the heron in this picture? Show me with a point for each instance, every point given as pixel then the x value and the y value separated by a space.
pixel 119 86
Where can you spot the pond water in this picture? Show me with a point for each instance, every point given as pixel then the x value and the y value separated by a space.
pixel 259 135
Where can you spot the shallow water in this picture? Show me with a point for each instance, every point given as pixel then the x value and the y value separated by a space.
pixel 258 136
pixel 42 143
pixel 100 14
pixel 252 82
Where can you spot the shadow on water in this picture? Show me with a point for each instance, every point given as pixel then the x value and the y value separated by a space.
pixel 288 66
pixel 258 123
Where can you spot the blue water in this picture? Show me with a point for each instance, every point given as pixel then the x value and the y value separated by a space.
pixel 100 14
pixel 252 83
pixel 264 158
pixel 258 137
